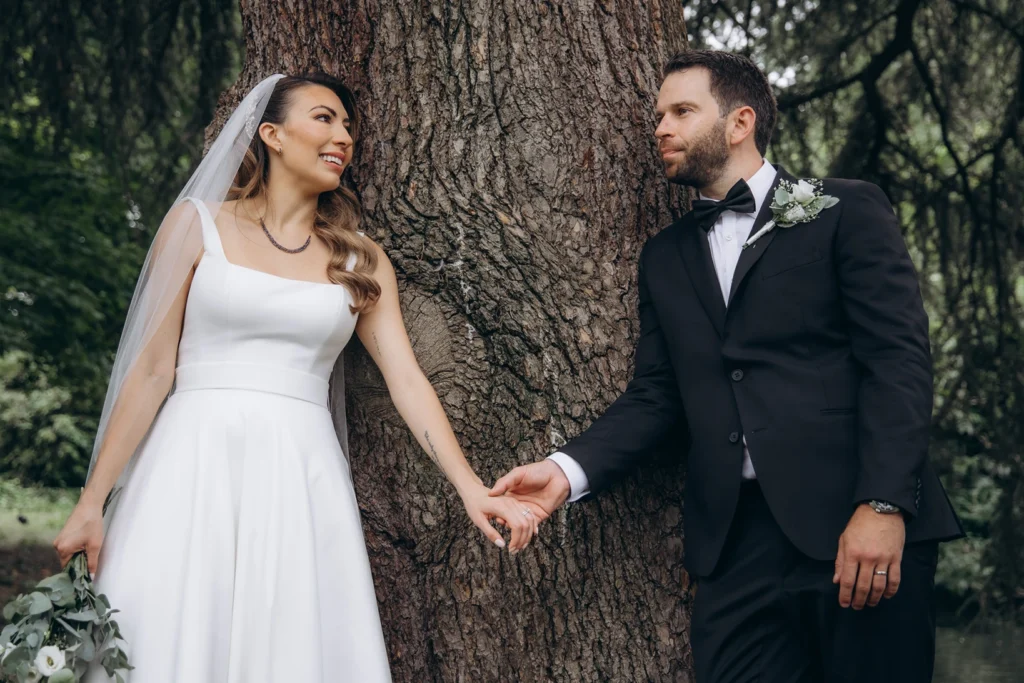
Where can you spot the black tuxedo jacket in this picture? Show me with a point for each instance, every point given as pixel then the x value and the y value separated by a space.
pixel 821 362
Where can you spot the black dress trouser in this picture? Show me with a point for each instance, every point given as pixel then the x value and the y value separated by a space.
pixel 769 614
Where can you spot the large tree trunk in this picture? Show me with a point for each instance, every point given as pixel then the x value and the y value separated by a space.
pixel 507 166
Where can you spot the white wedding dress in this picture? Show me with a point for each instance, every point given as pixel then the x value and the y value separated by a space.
pixel 237 554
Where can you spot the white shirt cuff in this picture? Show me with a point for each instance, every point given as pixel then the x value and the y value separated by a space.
pixel 579 485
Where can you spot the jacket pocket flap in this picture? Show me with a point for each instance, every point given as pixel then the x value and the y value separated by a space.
pixel 788 262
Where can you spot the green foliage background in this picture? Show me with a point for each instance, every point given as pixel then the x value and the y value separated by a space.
pixel 101 122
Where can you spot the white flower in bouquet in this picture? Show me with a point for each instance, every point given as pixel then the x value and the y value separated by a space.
pixel 33 676
pixel 50 660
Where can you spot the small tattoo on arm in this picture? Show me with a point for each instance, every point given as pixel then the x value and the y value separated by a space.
pixel 375 341
pixel 433 451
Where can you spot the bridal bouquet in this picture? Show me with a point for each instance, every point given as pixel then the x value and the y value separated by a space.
pixel 54 632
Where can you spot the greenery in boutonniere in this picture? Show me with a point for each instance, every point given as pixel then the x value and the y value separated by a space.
pixel 794 203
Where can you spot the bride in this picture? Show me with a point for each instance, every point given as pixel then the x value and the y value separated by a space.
pixel 230 534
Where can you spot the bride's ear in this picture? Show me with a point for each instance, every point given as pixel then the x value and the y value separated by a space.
pixel 268 132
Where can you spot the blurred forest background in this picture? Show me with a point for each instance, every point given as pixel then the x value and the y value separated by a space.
pixel 102 120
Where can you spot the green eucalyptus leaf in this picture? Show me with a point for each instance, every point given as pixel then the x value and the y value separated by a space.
pixel 22 670
pixel 62 676
pixel 18 607
pixel 39 603
pixel 71 630
pixel 58 582
pixel 84 615
pixel 68 599
pixel 81 667
pixel 16 657
pixel 65 600
pixel 80 564
pixel 109 661
pixel 10 610
pixel 88 651
pixel 33 640
pixel 781 197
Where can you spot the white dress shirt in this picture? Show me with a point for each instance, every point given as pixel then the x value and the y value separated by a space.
pixel 726 239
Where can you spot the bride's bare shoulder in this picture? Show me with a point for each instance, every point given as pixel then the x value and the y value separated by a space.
pixel 383 271
pixel 375 248
pixel 231 205
pixel 234 209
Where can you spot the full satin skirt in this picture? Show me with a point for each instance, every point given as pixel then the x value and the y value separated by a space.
pixel 236 554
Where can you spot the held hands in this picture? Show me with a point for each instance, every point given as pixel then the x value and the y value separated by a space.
pixel 520 501
pixel 82 531
pixel 872 543
pixel 507 511
pixel 542 486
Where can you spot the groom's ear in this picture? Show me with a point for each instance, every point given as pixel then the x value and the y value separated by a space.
pixel 741 125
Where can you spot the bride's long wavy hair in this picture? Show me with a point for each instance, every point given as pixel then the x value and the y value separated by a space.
pixel 338 211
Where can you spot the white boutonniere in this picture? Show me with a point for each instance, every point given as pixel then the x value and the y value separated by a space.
pixel 795 203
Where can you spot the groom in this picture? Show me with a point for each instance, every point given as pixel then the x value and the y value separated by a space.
pixel 798 359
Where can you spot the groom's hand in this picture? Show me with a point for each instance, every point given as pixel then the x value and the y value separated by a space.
pixel 541 485
pixel 872 543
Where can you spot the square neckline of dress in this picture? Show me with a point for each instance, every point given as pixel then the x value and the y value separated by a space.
pixel 212 244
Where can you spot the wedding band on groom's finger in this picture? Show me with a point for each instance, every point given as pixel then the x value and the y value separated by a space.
pixel 879 583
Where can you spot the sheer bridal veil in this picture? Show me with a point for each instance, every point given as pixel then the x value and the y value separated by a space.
pixel 175 248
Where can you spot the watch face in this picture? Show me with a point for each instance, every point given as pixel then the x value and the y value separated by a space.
pixel 883 507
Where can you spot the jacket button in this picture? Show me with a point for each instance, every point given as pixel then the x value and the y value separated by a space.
pixel 737 375
pixel 734 437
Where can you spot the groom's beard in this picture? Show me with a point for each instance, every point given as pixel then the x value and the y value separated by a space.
pixel 703 161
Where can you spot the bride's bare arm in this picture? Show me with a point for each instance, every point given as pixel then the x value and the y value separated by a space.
pixel 383 333
pixel 145 387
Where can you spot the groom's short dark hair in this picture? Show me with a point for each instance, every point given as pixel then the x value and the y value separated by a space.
pixel 735 82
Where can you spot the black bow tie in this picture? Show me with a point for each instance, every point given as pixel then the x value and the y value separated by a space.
pixel 739 199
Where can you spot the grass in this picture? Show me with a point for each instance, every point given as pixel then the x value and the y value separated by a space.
pixel 32 515
pixel 30 518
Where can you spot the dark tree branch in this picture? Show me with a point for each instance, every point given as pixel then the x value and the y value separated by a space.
pixel 900 43
pixel 997 18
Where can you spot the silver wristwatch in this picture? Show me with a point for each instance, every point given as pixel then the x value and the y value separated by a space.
pixel 884 508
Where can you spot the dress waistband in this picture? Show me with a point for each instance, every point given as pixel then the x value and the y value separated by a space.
pixel 252 377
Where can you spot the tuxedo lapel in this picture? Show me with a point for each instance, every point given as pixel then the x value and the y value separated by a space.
pixel 752 254
pixel 695 251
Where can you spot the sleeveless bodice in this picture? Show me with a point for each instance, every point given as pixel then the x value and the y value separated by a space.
pixel 245 328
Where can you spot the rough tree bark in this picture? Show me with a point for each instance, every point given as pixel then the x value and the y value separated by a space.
pixel 507 166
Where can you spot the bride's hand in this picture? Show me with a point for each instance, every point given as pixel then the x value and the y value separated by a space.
pixel 82 531
pixel 481 508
